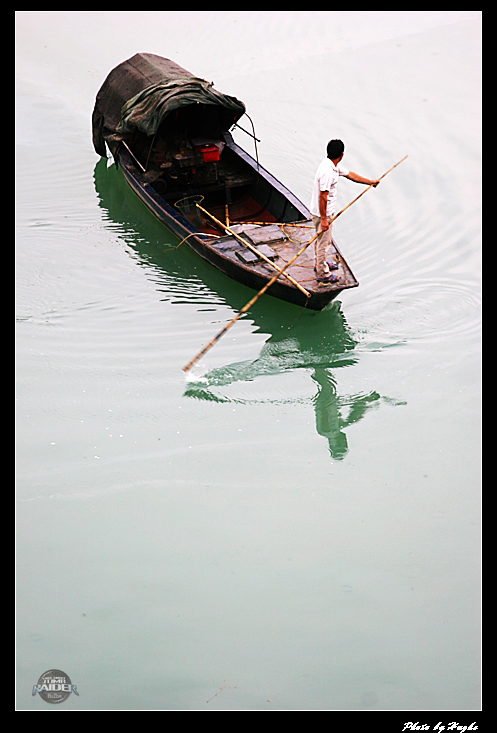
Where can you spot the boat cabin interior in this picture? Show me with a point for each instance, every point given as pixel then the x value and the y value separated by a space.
pixel 191 159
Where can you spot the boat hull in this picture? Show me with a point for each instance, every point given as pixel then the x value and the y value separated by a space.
pixel 202 245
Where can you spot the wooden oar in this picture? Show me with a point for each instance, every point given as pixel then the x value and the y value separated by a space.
pixel 254 250
pixel 270 282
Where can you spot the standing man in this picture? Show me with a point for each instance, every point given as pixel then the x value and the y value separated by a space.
pixel 324 196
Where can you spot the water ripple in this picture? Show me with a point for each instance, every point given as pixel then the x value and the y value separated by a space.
pixel 422 310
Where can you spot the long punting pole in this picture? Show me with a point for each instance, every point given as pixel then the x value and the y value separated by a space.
pixel 270 282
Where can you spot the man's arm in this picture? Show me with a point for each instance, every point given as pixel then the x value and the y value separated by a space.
pixel 359 179
pixel 323 201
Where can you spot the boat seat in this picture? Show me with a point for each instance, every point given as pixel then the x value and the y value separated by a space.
pixel 247 256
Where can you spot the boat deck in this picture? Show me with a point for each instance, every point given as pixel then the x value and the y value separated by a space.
pixel 280 243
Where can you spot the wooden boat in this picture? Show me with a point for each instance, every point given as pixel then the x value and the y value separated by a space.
pixel 170 133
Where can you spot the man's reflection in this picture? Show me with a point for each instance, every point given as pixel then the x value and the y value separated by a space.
pixel 328 406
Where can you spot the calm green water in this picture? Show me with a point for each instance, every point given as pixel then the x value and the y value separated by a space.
pixel 296 525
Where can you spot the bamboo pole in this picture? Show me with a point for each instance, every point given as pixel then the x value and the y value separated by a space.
pixel 245 308
pixel 277 224
pixel 270 282
pixel 255 250
pixel 308 226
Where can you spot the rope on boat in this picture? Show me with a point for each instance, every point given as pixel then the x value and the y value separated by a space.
pixel 193 234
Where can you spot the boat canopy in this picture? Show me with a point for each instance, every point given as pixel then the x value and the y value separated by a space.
pixel 141 92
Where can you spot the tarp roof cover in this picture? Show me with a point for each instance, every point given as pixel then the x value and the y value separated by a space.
pixel 142 91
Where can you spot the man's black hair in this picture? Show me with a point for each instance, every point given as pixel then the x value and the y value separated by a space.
pixel 334 149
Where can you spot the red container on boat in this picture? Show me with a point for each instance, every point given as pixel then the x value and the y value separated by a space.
pixel 210 153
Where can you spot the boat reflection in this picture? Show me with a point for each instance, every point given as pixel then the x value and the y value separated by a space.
pixel 319 345
pixel 299 342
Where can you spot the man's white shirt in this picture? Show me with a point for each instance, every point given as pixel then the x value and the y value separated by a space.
pixel 326 179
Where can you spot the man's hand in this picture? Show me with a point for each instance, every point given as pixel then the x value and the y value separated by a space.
pixel 323 205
